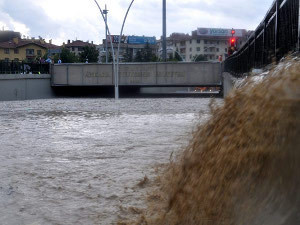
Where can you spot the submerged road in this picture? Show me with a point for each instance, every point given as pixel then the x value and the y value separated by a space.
pixel 78 161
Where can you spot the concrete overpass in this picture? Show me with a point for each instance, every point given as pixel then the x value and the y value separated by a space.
pixel 139 75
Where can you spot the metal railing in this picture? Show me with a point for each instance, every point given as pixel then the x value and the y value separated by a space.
pixel 277 35
pixel 19 67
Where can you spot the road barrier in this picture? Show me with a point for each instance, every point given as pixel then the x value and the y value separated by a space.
pixel 20 67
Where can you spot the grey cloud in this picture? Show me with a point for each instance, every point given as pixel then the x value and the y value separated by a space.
pixel 42 25
pixel 144 18
pixel 28 14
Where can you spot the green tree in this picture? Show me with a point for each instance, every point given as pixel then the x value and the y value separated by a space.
pixel 199 58
pixel 128 57
pixel 89 52
pixel 56 57
pixel 139 56
pixel 45 56
pixel 171 58
pixel 177 57
pixel 68 57
pixel 154 58
pixel 110 57
pixel 109 60
pixel 145 55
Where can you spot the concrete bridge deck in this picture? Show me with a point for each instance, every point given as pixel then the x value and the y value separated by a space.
pixel 177 74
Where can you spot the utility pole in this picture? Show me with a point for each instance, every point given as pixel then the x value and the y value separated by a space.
pixel 164 37
pixel 105 12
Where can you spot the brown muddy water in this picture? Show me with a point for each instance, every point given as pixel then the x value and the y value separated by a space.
pixel 242 166
pixel 79 161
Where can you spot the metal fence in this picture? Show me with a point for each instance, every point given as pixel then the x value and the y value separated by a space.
pixel 277 35
pixel 14 67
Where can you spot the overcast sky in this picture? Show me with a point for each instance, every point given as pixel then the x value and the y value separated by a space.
pixel 61 20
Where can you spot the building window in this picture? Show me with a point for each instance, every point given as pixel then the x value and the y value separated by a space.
pixel 39 52
pixel 225 49
pixel 73 49
pixel 6 59
pixel 198 49
pixel 182 43
pixel 182 50
pixel 191 41
pixel 205 41
pixel 211 42
pixel 205 49
pixel 218 42
pixel 16 59
pixel 198 41
pixel 29 51
pixel 6 51
pixel 191 49
pixel 16 51
pixel 217 49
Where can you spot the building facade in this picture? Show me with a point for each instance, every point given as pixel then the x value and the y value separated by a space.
pixel 206 43
pixel 19 49
pixel 129 47
pixel 77 46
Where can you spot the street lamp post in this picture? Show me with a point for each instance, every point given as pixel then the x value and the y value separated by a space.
pixel 120 37
pixel 113 52
pixel 164 37
pixel 105 12
pixel 115 64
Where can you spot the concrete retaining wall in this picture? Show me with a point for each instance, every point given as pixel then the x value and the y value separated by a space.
pixel 25 87
pixel 228 83
pixel 139 74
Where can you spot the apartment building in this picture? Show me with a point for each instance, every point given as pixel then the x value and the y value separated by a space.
pixel 129 46
pixel 207 43
pixel 19 49
pixel 76 47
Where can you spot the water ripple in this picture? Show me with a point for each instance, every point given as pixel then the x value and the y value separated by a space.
pixel 72 161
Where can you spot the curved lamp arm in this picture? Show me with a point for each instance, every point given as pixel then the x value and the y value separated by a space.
pixel 112 48
pixel 113 52
pixel 121 33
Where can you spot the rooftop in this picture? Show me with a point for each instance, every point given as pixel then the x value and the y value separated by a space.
pixel 18 42
pixel 77 43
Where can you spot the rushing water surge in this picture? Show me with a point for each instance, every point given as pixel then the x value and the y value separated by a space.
pixel 78 161
pixel 242 166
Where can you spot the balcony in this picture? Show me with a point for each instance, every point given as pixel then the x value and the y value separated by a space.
pixel 30 53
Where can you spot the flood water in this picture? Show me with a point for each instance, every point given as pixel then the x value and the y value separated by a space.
pixel 77 161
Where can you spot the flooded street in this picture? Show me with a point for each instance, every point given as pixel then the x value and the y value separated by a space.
pixel 76 161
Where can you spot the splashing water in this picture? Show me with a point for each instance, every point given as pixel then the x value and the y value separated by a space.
pixel 243 165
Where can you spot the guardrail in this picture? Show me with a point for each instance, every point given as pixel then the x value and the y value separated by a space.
pixel 15 67
pixel 277 35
